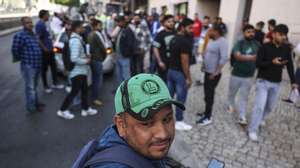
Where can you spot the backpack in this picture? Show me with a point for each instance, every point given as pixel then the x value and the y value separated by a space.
pixel 90 156
pixel 232 58
pixel 69 65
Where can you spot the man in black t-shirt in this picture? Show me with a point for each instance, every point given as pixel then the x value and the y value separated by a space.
pixel 178 77
pixel 162 46
pixel 259 34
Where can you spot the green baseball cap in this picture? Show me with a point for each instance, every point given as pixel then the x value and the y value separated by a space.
pixel 142 96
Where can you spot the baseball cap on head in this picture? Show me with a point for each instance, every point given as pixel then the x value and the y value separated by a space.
pixel 142 96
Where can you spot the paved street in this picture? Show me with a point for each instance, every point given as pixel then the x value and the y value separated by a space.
pixel 279 145
pixel 43 139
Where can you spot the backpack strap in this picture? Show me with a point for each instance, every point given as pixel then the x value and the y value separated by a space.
pixel 119 154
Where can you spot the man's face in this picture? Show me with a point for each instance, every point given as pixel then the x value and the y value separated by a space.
pixel 137 20
pixel 249 34
pixel 189 30
pixel 280 38
pixel 152 138
pixel 270 28
pixel 46 17
pixel 170 23
pixel 27 23
pixel 80 29
pixel 206 22
pixel 99 27
pixel 212 33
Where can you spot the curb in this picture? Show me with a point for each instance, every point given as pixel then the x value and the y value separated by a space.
pixel 9 31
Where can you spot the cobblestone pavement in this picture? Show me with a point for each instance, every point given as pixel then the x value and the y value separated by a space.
pixel 279 140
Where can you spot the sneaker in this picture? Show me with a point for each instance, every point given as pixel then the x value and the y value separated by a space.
pixel 90 111
pixel 263 123
pixel 68 89
pixel 98 102
pixel 181 126
pixel 230 109
pixel 253 136
pixel 65 114
pixel 48 90
pixel 243 121
pixel 204 121
pixel 58 86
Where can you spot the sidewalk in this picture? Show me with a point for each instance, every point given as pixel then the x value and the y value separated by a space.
pixel 225 140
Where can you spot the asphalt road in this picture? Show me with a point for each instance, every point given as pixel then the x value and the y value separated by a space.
pixel 42 139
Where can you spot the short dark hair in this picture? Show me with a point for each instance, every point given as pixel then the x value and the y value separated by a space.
pixel 42 13
pixel 260 23
pixel 76 24
pixel 186 22
pixel 206 17
pixel 247 27
pixel 95 22
pixel 281 28
pixel 23 19
pixel 218 28
pixel 272 22
pixel 167 17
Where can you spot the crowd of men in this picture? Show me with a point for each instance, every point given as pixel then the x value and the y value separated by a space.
pixel 163 45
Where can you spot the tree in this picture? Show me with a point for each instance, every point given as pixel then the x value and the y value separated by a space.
pixel 68 2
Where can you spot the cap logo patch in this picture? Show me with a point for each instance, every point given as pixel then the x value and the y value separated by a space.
pixel 144 113
pixel 150 87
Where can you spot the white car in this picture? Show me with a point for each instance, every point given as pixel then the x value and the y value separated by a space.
pixel 108 63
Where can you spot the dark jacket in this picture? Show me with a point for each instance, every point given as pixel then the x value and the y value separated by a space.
pixel 127 43
pixel 111 138
pixel 97 48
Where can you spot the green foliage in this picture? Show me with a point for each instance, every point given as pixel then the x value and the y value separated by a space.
pixel 68 2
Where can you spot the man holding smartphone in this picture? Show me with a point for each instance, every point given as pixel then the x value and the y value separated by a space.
pixel 272 57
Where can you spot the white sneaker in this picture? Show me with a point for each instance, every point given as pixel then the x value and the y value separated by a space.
pixel 58 86
pixel 68 89
pixel 243 121
pixel 181 126
pixel 253 136
pixel 263 123
pixel 65 114
pixel 230 109
pixel 48 90
pixel 90 111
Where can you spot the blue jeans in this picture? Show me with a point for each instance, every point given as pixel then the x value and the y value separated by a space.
pixel 176 84
pixel 97 78
pixel 267 94
pixel 123 69
pixel 243 85
pixel 31 78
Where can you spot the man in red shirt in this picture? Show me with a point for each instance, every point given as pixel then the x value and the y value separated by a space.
pixel 271 26
pixel 197 27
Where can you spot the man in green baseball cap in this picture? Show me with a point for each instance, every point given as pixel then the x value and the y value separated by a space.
pixel 143 128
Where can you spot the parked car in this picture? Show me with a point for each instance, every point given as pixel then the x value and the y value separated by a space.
pixel 108 63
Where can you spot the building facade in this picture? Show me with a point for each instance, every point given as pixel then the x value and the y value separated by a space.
pixel 234 12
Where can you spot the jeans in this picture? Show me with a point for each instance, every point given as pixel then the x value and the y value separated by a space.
pixel 31 78
pixel 137 64
pixel 209 93
pixel 267 94
pixel 97 78
pixel 123 69
pixel 243 85
pixel 49 60
pixel 176 84
pixel 79 83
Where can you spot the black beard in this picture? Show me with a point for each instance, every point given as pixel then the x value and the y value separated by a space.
pixel 248 38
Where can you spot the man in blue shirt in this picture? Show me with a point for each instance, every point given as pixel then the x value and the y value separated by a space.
pixel 47 49
pixel 26 49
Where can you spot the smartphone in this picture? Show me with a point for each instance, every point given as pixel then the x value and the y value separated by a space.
pixel 214 163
